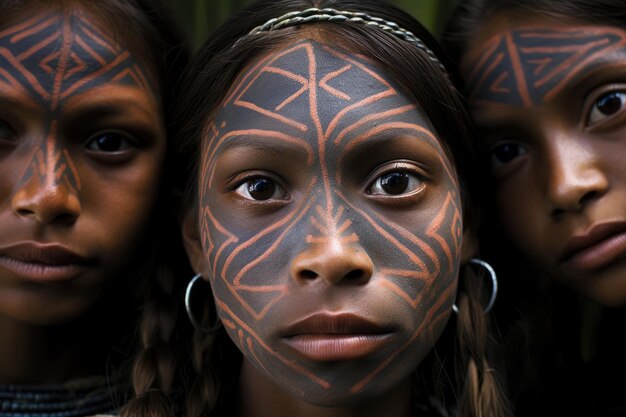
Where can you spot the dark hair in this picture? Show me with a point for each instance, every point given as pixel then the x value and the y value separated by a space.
pixel 544 336
pixel 214 70
pixel 149 27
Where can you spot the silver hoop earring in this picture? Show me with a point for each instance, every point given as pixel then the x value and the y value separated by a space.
pixel 215 326
pixel 494 284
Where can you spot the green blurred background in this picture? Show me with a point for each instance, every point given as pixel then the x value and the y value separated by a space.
pixel 199 17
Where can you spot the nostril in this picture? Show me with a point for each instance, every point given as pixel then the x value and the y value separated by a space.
pixel 24 212
pixel 556 213
pixel 307 274
pixel 354 275
pixel 65 218
pixel 588 197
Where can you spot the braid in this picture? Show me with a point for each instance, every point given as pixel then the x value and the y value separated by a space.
pixel 483 394
pixel 204 394
pixel 154 367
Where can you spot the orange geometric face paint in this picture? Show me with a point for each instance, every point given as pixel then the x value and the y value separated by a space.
pixel 54 58
pixel 331 224
pixel 529 66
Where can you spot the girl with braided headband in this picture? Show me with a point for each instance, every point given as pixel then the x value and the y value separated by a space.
pixel 329 215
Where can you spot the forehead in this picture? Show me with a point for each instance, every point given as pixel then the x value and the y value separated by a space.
pixel 51 55
pixel 311 87
pixel 526 62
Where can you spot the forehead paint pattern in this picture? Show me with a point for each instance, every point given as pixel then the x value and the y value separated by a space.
pixel 46 60
pixel 530 66
pixel 327 84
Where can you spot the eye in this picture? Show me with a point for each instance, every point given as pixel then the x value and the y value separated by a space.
pixel 606 106
pixel 111 142
pixel 6 133
pixel 261 189
pixel 396 183
pixel 506 152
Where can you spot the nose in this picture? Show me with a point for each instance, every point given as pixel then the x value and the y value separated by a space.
pixel 575 176
pixel 334 261
pixel 46 202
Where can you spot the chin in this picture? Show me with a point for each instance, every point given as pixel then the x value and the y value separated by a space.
pixel 40 312
pixel 610 298
pixel 608 290
pixel 342 399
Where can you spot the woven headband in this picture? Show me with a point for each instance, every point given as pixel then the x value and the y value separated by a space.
pixel 331 15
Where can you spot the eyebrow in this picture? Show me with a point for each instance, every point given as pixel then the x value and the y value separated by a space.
pixel 594 69
pixel 21 101
pixel 373 138
pixel 108 107
pixel 272 142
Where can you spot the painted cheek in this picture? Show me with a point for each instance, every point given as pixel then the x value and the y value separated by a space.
pixel 410 269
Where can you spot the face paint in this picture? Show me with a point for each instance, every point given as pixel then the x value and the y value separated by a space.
pixel 530 66
pixel 550 99
pixel 81 145
pixel 47 61
pixel 330 224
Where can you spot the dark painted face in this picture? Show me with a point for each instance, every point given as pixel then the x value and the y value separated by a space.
pixel 550 100
pixel 330 224
pixel 81 147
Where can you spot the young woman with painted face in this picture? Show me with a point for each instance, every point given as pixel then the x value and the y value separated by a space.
pixel 329 212
pixel 545 82
pixel 83 89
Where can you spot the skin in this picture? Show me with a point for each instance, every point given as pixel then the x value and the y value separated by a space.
pixel 81 148
pixel 323 130
pixel 549 98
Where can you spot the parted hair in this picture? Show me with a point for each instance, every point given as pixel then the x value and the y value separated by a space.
pixel 210 76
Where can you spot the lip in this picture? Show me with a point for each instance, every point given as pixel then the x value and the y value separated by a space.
pixel 326 337
pixel 597 247
pixel 42 262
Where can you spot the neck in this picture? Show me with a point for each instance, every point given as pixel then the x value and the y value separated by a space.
pixel 34 354
pixel 258 396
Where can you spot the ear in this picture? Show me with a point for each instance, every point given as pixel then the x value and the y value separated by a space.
pixel 469 248
pixel 193 243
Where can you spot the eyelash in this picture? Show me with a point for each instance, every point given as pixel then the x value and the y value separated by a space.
pixel 594 117
pixel 410 170
pixel 125 138
pixel 497 162
pixel 7 134
pixel 239 187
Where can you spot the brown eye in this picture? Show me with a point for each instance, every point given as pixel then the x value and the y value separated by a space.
pixel 6 134
pixel 396 183
pixel 260 189
pixel 110 142
pixel 607 105
pixel 506 152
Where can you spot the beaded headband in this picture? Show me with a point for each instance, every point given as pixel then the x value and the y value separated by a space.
pixel 331 15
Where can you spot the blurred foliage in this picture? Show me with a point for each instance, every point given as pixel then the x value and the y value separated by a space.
pixel 199 17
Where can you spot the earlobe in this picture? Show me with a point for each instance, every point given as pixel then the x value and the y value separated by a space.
pixel 193 243
pixel 469 248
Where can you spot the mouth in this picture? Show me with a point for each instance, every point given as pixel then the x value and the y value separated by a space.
pixel 600 246
pixel 325 337
pixel 42 262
